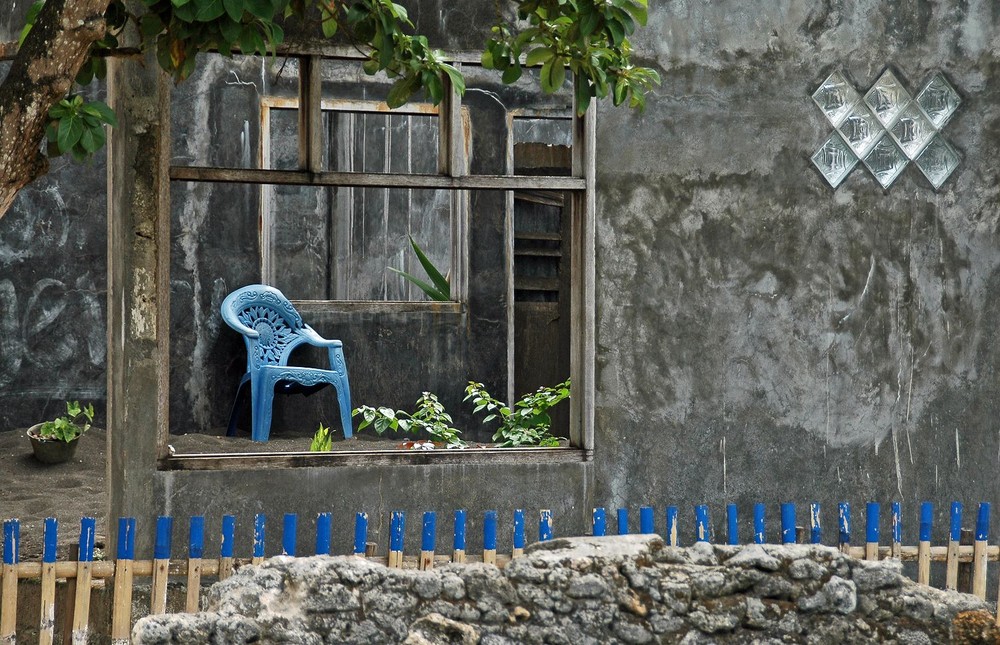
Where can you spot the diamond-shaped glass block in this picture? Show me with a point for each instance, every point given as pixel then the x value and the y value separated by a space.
pixel 911 130
pixel 938 161
pixel 887 97
pixel 836 97
pixel 861 129
pixel 886 161
pixel 834 159
pixel 938 100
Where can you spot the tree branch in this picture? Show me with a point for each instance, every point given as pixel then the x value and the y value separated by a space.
pixel 41 75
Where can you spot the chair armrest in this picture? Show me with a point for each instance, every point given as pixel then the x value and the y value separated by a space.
pixel 243 329
pixel 313 338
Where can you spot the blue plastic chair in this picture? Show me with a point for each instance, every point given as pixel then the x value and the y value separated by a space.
pixel 271 329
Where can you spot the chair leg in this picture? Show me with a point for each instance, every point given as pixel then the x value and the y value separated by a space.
pixel 262 392
pixel 236 413
pixel 343 390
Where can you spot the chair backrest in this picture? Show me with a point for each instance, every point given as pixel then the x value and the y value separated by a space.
pixel 268 312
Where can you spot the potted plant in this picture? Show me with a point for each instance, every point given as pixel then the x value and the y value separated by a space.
pixel 54 442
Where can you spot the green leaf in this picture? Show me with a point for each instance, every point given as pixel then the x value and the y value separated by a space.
pixel 457 80
pixel 431 292
pixel 210 10
pixel 553 74
pixel 234 9
pixel 439 280
pixel 511 74
pixel 87 141
pixel 230 31
pixel 538 56
pixel 263 9
pixel 63 135
pixel 400 92
pixel 617 32
pixel 102 111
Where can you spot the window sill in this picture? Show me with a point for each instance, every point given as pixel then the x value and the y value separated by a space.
pixel 472 456
pixel 378 307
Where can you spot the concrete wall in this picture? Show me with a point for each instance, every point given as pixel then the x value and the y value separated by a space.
pixel 762 336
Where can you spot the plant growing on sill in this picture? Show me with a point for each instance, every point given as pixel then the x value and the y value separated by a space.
pixel 322 441
pixel 429 417
pixel 527 423
pixel 440 290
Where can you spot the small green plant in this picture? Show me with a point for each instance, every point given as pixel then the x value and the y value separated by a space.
pixel 527 423
pixel 68 427
pixel 429 417
pixel 440 290
pixel 322 441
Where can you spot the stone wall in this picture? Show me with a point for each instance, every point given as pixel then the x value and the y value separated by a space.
pixel 626 589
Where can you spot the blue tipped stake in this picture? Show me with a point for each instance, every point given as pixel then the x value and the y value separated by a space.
pixel 324 528
pixel 259 530
pixel 518 528
pixel 397 523
pixel 289 529
pixel 872 513
pixel 459 540
pixel 844 522
pixel 956 521
pixel 88 531
pixel 196 537
pixel 926 521
pixel 897 523
pixel 646 520
pixel 600 522
pixel 815 526
pixel 544 525
pixel 11 541
pixel 732 525
pixel 360 533
pixel 51 538
pixel 983 522
pixel 164 534
pixel 428 531
pixel 788 524
pixel 701 523
pixel 622 521
pixel 672 539
pixel 490 531
pixel 759 536
pixel 228 536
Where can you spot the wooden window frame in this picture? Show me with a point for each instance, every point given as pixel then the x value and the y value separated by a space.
pixel 452 174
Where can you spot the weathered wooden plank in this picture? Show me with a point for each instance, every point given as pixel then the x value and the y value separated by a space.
pixel 374 180
pixel 243 461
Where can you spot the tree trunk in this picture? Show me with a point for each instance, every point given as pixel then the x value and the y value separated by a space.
pixel 40 76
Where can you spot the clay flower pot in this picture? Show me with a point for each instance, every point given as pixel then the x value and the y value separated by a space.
pixel 51 451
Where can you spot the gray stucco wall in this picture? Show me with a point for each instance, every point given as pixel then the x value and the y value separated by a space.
pixel 762 336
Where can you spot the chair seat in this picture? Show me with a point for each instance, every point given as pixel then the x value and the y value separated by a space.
pixel 272 329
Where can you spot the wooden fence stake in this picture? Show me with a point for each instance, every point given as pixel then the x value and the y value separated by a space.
pixel 428 537
pixel 324 528
pixel 161 565
pixel 599 522
pixel 259 536
pixel 622 517
pixel 672 526
pixel 490 537
pixel 759 530
pixel 81 608
pixel 397 525
pixel 226 550
pixel 544 525
pixel 289 534
pixel 732 525
pixel 924 545
pixel 196 550
pixel 897 530
pixel 951 571
pixel 69 596
pixel 47 613
pixel 360 534
pixel 646 526
pixel 121 613
pixel 979 551
pixel 844 526
pixel 458 543
pixel 788 533
pixel 11 556
pixel 518 549
pixel 872 530
pixel 701 524
pixel 815 525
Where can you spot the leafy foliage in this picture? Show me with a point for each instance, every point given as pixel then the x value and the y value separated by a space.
pixel 322 441
pixel 440 290
pixel 429 417
pixel 527 423
pixel 70 426
pixel 590 37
